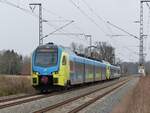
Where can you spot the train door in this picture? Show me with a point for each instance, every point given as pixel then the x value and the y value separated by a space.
pixel 65 69
pixel 79 70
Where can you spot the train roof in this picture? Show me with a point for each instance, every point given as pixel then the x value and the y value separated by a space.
pixel 48 45
pixel 73 56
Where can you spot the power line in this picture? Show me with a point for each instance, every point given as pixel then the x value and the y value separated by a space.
pixel 99 17
pixel 91 9
pixel 63 20
pixel 27 11
pixel 16 6
pixel 23 9
pixel 123 30
pixel 148 5
pixel 50 12
pixel 54 26
pixel 86 15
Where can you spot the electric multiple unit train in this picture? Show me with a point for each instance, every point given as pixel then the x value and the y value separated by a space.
pixel 54 65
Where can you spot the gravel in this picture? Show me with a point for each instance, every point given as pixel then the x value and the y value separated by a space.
pixel 106 104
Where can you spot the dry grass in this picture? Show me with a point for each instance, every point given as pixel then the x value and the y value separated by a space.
pixel 137 100
pixel 14 85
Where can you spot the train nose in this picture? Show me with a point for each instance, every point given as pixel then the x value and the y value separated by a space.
pixel 44 80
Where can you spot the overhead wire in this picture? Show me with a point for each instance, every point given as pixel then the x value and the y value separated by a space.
pixel 27 12
pixel 16 6
pixel 63 20
pixel 23 9
pixel 95 22
pixel 54 26
pixel 57 29
pixel 98 16
pixel 58 16
pixel 87 16
pixel 101 19
pixel 148 5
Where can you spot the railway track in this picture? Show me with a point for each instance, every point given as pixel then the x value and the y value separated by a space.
pixel 22 99
pixel 15 98
pixel 73 108
pixel 29 98
pixel 4 103
pixel 79 108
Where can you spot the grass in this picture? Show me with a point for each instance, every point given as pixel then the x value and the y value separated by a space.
pixel 11 84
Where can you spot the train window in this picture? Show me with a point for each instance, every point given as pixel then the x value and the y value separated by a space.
pixel 45 59
pixel 79 69
pixel 64 61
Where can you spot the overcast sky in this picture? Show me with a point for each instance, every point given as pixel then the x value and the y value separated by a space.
pixel 19 29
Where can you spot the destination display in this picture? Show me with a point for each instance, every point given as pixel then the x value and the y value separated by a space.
pixel 47 50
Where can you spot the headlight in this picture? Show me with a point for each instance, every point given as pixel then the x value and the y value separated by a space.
pixel 56 72
pixel 37 73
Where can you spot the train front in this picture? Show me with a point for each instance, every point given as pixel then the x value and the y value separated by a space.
pixel 45 63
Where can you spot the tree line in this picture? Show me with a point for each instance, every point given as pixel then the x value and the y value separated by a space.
pixel 14 64
pixel 132 68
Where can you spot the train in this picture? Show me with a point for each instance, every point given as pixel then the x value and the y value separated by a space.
pixel 55 66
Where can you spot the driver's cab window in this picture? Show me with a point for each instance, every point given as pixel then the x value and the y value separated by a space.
pixel 64 61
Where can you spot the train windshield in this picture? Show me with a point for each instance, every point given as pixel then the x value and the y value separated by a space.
pixel 46 57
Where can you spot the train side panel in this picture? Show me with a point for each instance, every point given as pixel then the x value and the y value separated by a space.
pixel 77 71
pixel 89 70
pixel 98 72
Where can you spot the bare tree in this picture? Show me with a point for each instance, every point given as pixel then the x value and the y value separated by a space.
pixel 10 62
pixel 105 51
pixel 74 46
pixel 26 66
